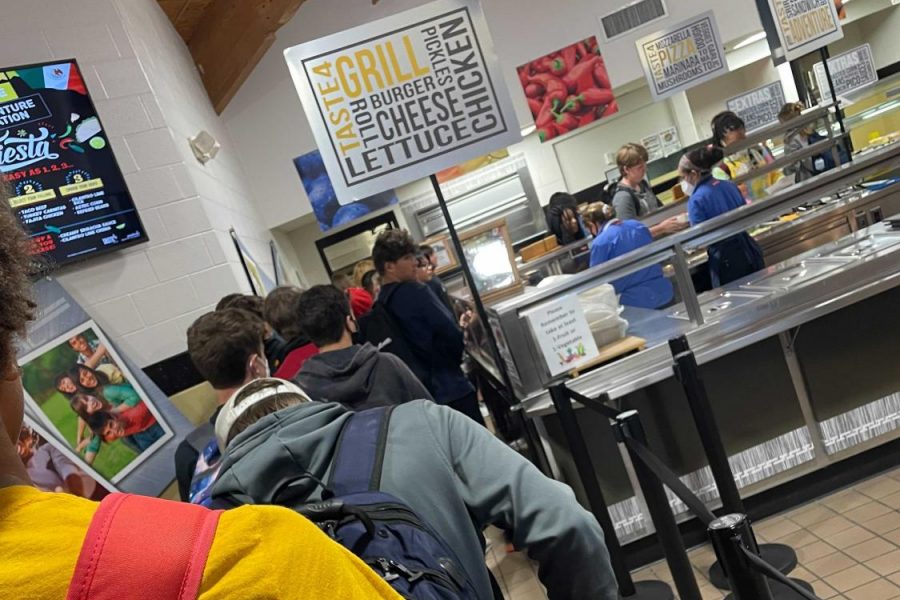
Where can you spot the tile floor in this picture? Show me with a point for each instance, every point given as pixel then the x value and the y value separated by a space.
pixel 848 545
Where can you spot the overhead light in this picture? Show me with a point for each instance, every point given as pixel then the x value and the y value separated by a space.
pixel 526 131
pixel 751 40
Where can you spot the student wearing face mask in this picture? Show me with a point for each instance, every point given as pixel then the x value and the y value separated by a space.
pixel 734 257
pixel 227 347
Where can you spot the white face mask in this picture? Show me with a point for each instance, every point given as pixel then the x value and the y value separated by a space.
pixel 687 187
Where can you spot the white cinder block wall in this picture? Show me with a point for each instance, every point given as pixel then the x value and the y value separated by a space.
pixel 150 99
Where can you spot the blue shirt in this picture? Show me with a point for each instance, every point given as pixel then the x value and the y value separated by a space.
pixel 647 288
pixel 712 198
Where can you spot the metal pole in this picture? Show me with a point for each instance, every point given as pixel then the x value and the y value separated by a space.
pixel 585 467
pixel 838 111
pixel 687 372
pixel 628 425
pixel 729 534
pixel 470 281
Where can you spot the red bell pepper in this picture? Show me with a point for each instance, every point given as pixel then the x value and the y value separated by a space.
pixel 534 90
pixel 547 132
pixel 573 104
pixel 559 67
pixel 523 75
pixel 601 77
pixel 535 106
pixel 554 86
pixel 570 55
pixel 588 117
pixel 595 97
pixel 580 77
pixel 611 109
pixel 566 122
pixel 545 114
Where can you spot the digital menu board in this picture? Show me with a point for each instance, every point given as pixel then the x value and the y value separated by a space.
pixel 64 182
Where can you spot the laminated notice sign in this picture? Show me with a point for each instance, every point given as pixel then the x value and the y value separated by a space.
pixel 403 97
pixel 759 107
pixel 850 71
pixel 805 25
pixel 563 334
pixel 682 56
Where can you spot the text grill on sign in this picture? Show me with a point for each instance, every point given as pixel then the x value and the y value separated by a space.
pixel 400 95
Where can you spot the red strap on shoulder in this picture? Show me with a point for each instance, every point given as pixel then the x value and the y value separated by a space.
pixel 140 547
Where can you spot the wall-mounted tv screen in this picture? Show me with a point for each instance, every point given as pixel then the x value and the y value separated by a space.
pixel 63 180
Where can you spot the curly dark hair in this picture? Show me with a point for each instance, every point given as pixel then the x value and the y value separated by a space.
pixel 391 246
pixel 16 307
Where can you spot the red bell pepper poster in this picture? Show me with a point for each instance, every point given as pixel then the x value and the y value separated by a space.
pixel 568 89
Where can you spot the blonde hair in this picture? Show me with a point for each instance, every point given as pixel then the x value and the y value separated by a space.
pixel 789 111
pixel 597 213
pixel 631 155
pixel 359 271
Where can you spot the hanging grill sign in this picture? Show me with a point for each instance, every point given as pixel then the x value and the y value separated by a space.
pixel 401 98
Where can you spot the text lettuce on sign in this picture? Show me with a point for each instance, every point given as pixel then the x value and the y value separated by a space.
pixel 403 97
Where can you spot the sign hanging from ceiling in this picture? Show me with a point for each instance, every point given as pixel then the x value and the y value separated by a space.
pixel 805 25
pixel 850 71
pixel 682 56
pixel 759 107
pixel 404 97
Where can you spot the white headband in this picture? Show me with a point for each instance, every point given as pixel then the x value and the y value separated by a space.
pixel 230 413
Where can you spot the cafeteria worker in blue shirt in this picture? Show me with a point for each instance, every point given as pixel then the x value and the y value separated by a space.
pixel 646 288
pixel 732 258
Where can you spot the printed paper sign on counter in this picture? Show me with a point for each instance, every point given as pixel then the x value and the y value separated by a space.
pixel 403 97
pixel 563 334
pixel 759 107
pixel 805 25
pixel 850 71
pixel 683 56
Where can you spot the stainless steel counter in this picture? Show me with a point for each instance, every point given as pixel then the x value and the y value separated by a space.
pixel 783 296
pixel 524 361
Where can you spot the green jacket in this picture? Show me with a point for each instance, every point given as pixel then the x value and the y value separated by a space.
pixel 453 473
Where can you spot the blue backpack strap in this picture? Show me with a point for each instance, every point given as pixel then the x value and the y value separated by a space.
pixel 360 452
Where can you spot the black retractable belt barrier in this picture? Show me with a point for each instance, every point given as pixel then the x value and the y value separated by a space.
pixel 641 590
pixel 730 534
pixel 629 427
pixel 781 556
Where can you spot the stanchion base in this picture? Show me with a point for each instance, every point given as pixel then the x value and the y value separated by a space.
pixel 783 592
pixel 651 590
pixel 780 556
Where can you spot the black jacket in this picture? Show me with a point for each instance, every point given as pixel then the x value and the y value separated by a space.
pixel 360 377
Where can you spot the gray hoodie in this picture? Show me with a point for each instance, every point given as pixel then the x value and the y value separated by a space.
pixel 452 472
pixel 360 377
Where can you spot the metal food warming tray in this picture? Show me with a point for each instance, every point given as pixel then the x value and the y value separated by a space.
pixel 857 249
pixel 712 308
pixel 791 276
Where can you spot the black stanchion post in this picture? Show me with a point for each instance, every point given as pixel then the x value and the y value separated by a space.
pixel 729 534
pixel 628 425
pixel 780 556
pixel 656 590
pixel 687 372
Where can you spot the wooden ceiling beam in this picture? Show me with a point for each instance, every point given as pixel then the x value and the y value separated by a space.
pixel 230 40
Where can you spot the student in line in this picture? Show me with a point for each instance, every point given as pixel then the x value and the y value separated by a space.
pixel 255 552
